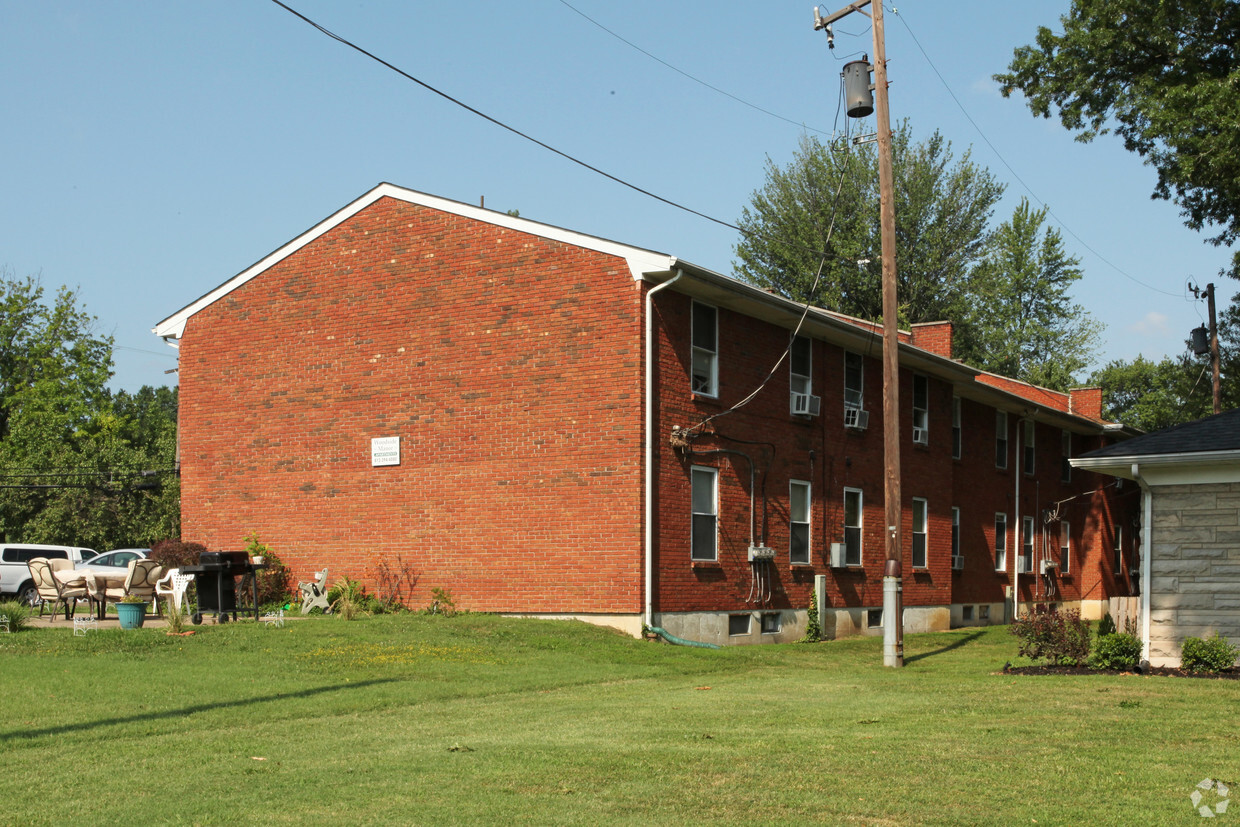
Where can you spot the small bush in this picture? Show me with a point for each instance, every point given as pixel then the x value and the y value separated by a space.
pixel 813 628
pixel 172 554
pixel 1106 626
pixel 441 603
pixel 1058 638
pixel 18 613
pixel 273 581
pixel 1214 654
pixel 348 599
pixel 1116 651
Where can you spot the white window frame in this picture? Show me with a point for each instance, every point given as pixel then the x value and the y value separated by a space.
pixel 1001 439
pixel 857 530
pixel 957 429
pixel 1029 447
pixel 1026 542
pixel 1000 541
pixel 921 409
pixel 921 535
pixel 854 397
pixel 1065 547
pixel 955 532
pixel 704 367
pixel 800 505
pixel 709 477
pixel 798 381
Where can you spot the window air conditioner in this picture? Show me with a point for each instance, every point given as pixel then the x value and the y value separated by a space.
pixel 957 562
pixel 1022 565
pixel 856 418
pixel 919 436
pixel 804 404
pixel 837 556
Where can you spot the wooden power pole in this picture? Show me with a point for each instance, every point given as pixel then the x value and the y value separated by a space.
pixel 893 588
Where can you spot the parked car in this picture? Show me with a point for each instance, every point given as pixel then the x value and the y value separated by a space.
pixel 113 561
pixel 15 578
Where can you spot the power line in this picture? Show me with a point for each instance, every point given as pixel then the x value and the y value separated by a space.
pixel 693 78
pixel 1016 175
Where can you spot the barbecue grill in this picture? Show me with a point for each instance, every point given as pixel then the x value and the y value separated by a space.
pixel 216 574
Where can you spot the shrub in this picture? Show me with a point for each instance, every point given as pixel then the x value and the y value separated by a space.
pixel 1059 638
pixel 1106 626
pixel 1214 654
pixel 1116 650
pixel 172 554
pixel 441 603
pixel 273 581
pixel 348 598
pixel 18 614
pixel 813 629
pixel 396 579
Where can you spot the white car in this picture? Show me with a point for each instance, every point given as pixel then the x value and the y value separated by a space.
pixel 111 562
pixel 15 573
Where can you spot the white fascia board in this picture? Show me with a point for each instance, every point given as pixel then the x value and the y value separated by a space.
pixel 1168 469
pixel 639 261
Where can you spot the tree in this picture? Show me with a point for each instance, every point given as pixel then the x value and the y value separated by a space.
pixel 1165 77
pixel 72 455
pixel 1020 321
pixel 1177 389
pixel 823 209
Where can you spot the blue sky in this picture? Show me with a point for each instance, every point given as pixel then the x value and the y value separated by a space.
pixel 153 149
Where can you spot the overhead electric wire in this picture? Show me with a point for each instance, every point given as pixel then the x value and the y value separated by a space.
pixel 1016 175
pixel 693 78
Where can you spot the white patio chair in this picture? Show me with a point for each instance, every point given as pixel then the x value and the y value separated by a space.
pixel 174 584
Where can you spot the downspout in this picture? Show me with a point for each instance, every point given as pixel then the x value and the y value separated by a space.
pixel 650 434
pixel 1017 548
pixel 1147 520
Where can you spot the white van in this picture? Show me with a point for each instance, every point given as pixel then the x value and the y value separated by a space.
pixel 15 573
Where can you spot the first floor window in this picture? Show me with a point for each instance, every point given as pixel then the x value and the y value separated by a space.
pixel 704 534
pixel 1026 543
pixel 798 519
pixel 955 534
pixel 1000 542
pixel 920 521
pixel 1119 549
pixel 1065 546
pixel 852 527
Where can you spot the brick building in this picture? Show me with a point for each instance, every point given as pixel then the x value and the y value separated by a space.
pixel 476 395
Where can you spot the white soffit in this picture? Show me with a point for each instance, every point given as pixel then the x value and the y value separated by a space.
pixel 639 261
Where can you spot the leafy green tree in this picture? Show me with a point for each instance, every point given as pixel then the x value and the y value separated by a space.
pixel 72 455
pixel 1165 77
pixel 824 205
pixel 1020 321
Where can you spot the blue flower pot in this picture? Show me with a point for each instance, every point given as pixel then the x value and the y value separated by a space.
pixel 131 615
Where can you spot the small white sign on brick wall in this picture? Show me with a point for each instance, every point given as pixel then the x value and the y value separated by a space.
pixel 385 450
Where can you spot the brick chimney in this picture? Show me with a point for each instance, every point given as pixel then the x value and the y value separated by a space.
pixel 935 337
pixel 1086 402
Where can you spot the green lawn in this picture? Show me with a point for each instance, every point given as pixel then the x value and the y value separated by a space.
pixel 475 719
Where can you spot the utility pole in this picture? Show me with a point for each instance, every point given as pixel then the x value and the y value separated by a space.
pixel 1213 332
pixel 893 587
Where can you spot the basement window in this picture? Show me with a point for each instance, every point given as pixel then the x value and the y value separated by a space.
pixel 738 625
pixel 874 618
pixel 771 624
pixel 966 612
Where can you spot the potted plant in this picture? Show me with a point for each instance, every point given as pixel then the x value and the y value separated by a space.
pixel 131 611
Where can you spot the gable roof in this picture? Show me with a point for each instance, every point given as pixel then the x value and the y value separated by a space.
pixel 640 261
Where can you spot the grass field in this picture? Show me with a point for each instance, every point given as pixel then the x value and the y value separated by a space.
pixel 420 719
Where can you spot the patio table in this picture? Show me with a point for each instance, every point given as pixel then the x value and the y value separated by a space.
pixel 97 584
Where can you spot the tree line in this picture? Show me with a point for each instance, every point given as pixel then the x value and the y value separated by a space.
pixel 79 464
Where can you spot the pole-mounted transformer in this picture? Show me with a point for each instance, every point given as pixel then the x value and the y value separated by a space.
pixel 858 90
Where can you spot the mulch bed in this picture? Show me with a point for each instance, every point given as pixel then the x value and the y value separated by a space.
pixel 1160 671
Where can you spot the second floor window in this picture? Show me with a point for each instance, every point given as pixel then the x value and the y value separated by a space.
pixel 1029 430
pixel 957 429
pixel 705 378
pixel 1001 439
pixel 854 380
pixel 1065 466
pixel 800 364
pixel 921 410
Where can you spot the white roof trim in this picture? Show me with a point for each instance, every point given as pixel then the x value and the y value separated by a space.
pixel 639 261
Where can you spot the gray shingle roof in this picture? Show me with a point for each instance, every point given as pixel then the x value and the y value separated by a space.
pixel 1220 432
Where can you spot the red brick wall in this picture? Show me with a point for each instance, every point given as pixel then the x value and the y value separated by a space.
pixel 509 365
pixel 822 451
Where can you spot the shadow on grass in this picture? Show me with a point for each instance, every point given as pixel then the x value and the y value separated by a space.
pixel 955 644
pixel 188 710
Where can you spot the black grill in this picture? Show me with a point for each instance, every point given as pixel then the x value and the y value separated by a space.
pixel 216 575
